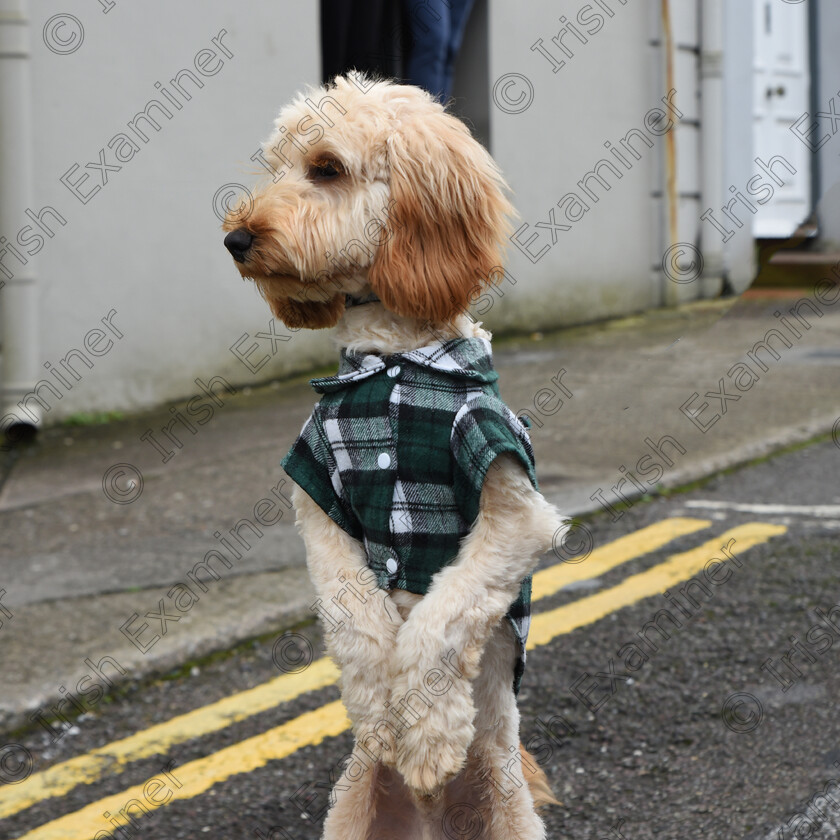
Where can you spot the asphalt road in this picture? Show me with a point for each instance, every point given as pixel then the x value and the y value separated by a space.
pixel 705 730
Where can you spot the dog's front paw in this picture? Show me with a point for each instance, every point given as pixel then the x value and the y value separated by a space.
pixel 427 759
pixel 377 735
pixel 432 748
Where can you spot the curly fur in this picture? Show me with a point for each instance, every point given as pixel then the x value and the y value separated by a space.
pixel 376 188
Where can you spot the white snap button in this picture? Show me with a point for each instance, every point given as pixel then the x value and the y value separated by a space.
pixel 391 565
pixel 394 371
pixel 384 461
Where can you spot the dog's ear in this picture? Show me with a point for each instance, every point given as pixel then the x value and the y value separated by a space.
pixel 447 219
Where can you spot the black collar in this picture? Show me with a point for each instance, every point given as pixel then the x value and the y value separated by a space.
pixel 349 300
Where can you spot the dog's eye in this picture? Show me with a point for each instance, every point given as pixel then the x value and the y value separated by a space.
pixel 325 170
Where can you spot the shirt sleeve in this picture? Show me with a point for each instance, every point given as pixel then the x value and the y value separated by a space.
pixel 310 463
pixel 483 429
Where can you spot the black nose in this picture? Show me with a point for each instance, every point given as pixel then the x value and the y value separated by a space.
pixel 238 242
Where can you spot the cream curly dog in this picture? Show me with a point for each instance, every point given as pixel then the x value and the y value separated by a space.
pixel 415 495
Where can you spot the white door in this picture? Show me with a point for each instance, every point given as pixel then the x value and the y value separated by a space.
pixel 780 97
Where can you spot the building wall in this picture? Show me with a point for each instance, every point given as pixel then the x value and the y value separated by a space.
pixel 738 134
pixel 576 104
pixel 827 88
pixel 146 243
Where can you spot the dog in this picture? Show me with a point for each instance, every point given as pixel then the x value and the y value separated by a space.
pixel 414 490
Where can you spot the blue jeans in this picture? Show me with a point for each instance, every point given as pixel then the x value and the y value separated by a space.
pixel 437 29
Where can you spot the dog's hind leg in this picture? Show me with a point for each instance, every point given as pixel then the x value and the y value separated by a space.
pixel 352 813
pixel 495 757
pixel 373 805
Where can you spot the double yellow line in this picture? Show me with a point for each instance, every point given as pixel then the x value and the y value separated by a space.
pixel 329 720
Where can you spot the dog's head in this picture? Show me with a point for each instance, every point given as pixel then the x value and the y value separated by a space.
pixel 372 186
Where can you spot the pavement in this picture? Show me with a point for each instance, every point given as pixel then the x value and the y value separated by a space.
pixel 643 726
pixel 102 536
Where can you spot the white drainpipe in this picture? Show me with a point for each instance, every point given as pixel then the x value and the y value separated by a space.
pixel 18 298
pixel 711 142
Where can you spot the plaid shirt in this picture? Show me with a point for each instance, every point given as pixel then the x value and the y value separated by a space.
pixel 396 452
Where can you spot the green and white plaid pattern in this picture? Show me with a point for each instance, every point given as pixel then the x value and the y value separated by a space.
pixel 396 453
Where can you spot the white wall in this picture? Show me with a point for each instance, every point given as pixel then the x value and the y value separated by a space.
pixel 828 89
pixel 148 244
pixel 685 37
pixel 739 153
pixel 602 266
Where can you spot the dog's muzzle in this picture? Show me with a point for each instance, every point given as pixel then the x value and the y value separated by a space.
pixel 238 242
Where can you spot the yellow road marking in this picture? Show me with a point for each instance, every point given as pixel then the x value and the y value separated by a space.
pixel 200 775
pixel 311 728
pixel 619 551
pixel 548 625
pixel 158 739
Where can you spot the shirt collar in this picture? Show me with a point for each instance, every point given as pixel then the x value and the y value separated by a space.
pixel 463 358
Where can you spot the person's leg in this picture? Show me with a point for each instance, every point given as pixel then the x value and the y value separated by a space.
pixel 429 29
pixel 459 14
